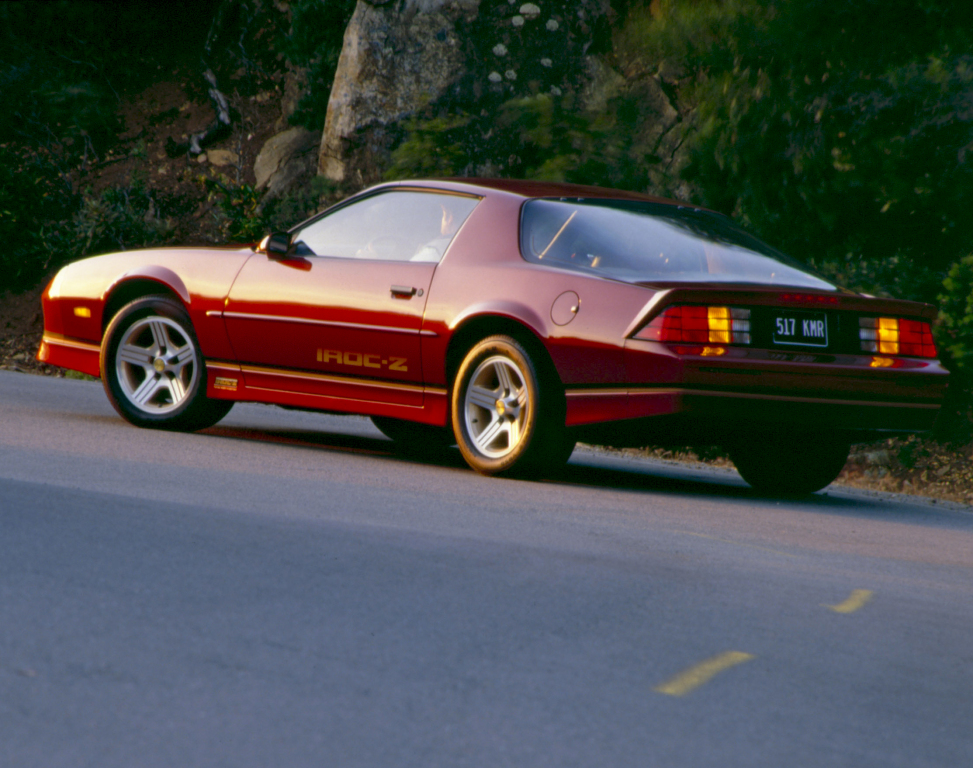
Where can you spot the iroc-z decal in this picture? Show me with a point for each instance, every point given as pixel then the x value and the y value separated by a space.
pixel 363 360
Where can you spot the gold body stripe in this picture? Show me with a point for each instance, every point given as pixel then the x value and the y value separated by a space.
pixel 326 323
pixel 329 378
pixel 63 341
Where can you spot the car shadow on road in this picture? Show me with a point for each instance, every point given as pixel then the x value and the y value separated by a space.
pixel 631 475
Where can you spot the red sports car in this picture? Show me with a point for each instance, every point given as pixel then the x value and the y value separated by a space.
pixel 512 318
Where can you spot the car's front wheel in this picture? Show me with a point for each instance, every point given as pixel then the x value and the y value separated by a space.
pixel 506 415
pixel 789 464
pixel 152 368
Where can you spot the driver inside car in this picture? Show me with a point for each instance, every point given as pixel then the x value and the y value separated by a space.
pixel 435 248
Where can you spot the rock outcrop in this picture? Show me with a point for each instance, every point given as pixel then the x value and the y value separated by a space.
pixel 405 59
pixel 285 159
pixel 396 57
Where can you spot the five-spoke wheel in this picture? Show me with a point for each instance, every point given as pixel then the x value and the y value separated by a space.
pixel 152 368
pixel 506 416
pixel 496 406
pixel 156 365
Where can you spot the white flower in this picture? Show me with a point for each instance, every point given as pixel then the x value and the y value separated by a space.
pixel 510 74
pixel 530 10
pixel 545 62
pixel 555 91
pixel 495 77
pixel 499 50
pixel 517 21
pixel 552 25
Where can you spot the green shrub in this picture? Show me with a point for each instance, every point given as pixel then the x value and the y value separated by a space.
pixel 836 130
pixel 955 332
pixel 36 205
pixel 238 209
pixel 540 136
pixel 120 218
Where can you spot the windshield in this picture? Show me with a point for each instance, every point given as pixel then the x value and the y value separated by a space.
pixel 642 242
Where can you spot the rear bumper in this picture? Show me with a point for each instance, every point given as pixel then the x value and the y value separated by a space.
pixel 706 412
pixel 672 394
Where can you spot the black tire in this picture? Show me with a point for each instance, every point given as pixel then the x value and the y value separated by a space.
pixel 789 465
pixel 152 368
pixel 507 416
pixel 411 436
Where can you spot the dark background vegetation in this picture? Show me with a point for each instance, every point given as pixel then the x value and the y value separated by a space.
pixel 839 131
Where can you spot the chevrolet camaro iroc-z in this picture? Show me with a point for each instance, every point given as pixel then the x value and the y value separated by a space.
pixel 512 319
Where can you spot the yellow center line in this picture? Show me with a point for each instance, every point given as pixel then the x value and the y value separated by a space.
pixel 856 600
pixel 692 678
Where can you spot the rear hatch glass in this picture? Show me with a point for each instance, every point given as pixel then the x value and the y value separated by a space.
pixel 643 242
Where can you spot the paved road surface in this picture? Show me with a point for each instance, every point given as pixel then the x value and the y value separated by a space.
pixel 283 590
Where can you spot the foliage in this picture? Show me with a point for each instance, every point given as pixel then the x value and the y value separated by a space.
pixel 118 219
pixel 956 315
pixel 314 42
pixel 63 68
pixel 835 130
pixel 238 208
pixel 46 199
pixel 63 64
pixel 540 136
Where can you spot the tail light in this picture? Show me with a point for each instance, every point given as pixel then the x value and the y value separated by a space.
pixel 706 325
pixel 896 336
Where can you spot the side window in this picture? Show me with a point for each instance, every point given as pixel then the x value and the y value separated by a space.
pixel 390 226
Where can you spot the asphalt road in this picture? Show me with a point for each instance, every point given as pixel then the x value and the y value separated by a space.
pixel 284 590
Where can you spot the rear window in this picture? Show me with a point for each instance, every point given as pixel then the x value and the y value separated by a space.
pixel 642 242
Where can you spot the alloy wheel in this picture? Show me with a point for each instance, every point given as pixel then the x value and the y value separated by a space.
pixel 496 406
pixel 156 365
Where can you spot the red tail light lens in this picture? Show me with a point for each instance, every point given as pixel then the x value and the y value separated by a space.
pixel 896 336
pixel 706 325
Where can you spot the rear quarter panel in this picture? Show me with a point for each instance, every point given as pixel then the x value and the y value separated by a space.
pixel 483 274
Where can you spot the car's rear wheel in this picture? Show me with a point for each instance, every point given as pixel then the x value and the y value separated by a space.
pixel 152 368
pixel 506 415
pixel 789 464
pixel 409 435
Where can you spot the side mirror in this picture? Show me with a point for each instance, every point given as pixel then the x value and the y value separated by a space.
pixel 276 245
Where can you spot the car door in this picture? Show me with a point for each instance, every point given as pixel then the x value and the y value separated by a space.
pixel 341 316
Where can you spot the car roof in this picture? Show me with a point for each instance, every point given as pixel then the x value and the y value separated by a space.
pixel 534 189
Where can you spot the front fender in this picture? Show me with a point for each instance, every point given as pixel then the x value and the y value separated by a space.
pixel 156 273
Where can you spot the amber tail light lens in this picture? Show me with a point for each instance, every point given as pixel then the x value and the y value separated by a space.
pixel 706 325
pixel 896 336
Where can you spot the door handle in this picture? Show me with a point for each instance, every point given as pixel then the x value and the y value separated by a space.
pixel 405 291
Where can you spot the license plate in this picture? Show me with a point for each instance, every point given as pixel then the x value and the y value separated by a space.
pixel 804 329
